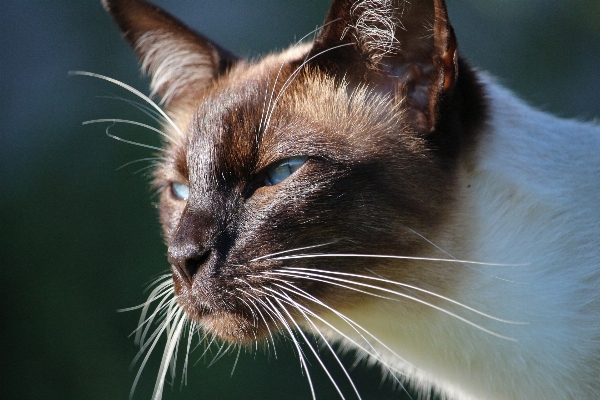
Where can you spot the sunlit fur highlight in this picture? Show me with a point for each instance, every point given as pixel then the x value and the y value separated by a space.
pixel 173 68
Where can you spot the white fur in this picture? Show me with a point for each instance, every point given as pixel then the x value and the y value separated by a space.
pixel 530 198
pixel 375 27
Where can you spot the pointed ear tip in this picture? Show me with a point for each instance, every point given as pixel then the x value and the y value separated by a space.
pixel 112 4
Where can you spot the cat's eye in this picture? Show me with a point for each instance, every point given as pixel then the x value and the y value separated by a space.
pixel 180 190
pixel 280 171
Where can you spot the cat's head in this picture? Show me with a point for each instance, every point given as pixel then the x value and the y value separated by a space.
pixel 280 172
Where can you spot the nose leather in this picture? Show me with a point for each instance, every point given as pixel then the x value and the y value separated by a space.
pixel 190 246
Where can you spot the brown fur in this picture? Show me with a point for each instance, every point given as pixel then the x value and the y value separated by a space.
pixel 383 132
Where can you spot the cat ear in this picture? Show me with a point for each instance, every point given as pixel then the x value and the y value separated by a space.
pixel 179 61
pixel 405 47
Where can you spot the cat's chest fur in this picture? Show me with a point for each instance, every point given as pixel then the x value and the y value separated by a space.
pixel 372 188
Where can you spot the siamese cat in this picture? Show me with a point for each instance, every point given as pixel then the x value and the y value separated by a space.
pixel 371 189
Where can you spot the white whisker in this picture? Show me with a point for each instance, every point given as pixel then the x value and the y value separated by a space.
pixel 149 111
pixel 355 327
pixel 301 355
pixel 323 366
pixel 415 299
pixel 164 320
pixel 289 251
pixel 236 360
pixel 383 256
pixel 141 160
pixel 395 283
pixel 292 76
pixel 263 319
pixel 132 142
pixel 454 258
pixel 213 339
pixel 222 353
pixel 192 328
pixel 134 91
pixel 126 121
pixel 279 73
pixel 314 326
pixel 178 322
pixel 153 341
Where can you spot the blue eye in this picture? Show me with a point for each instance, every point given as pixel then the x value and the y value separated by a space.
pixel 277 173
pixel 180 191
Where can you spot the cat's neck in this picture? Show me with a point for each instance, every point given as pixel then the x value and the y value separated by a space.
pixel 522 207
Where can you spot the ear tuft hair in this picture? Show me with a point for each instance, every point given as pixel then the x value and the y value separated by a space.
pixel 406 48
pixel 180 62
pixel 375 27
pixel 174 65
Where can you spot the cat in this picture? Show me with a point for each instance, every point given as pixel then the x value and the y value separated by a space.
pixel 372 188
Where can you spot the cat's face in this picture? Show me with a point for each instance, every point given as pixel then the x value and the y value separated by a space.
pixel 310 160
pixel 327 167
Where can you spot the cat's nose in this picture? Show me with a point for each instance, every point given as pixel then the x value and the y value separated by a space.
pixel 190 247
pixel 188 260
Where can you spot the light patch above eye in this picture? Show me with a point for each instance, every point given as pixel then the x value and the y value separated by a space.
pixel 180 190
pixel 281 170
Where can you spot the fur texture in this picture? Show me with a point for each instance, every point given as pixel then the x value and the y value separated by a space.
pixel 437 224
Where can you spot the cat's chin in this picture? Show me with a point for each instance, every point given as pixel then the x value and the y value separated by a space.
pixel 228 326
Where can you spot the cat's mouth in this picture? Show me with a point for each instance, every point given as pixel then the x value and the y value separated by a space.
pixel 218 306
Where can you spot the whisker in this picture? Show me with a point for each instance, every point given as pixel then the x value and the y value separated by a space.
pixel 314 326
pixel 178 320
pixel 161 311
pixel 134 91
pixel 192 328
pixel 289 251
pixel 213 339
pixel 221 353
pixel 132 142
pixel 292 76
pixel 395 283
pixel 153 165
pixel 263 318
pixel 323 366
pixel 165 321
pixel 355 326
pixel 454 258
pixel 141 160
pixel 164 291
pixel 279 73
pixel 152 296
pixel 126 121
pixel 415 299
pixel 352 255
pixel 236 360
pixel 154 341
pixel 352 324
pixel 149 111
pixel 301 355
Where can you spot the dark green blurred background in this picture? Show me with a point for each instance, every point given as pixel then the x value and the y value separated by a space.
pixel 79 237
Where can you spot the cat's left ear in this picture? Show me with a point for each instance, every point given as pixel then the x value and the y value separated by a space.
pixel 180 62
pixel 407 48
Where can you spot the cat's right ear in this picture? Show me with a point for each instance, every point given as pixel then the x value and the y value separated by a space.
pixel 180 62
pixel 403 47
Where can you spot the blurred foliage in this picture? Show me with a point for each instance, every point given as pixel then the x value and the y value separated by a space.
pixel 79 237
